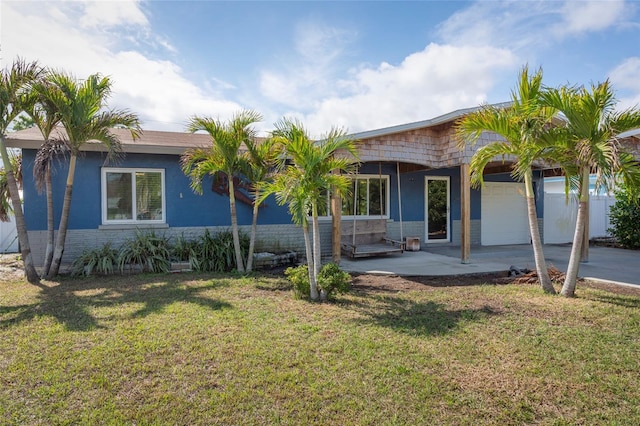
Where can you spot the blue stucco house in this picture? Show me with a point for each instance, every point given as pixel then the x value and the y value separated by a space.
pixel 413 176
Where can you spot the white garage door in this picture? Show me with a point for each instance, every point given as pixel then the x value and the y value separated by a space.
pixel 504 214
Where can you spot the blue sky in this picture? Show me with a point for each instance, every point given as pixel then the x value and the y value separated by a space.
pixel 360 65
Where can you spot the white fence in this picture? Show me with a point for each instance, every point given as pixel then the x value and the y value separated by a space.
pixel 560 217
pixel 8 237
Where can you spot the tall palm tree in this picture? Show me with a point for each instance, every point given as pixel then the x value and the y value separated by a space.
pixel 44 115
pixel 522 126
pixel 307 174
pixel 81 109
pixel 586 143
pixel 222 157
pixel 14 82
pixel 257 166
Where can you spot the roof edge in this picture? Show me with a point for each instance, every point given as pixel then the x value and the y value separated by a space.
pixel 450 116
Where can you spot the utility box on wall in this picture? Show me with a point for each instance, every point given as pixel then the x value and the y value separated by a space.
pixel 413 243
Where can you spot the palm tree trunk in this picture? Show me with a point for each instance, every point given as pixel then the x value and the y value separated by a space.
pixel 234 225
pixel 584 249
pixel 309 253
pixel 254 228
pixel 536 241
pixel 317 258
pixel 21 226
pixel 64 220
pixel 48 254
pixel 569 286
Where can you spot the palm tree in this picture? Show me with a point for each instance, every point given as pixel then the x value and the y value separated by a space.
pixel 44 115
pixel 13 83
pixel 586 144
pixel 80 106
pixel 307 174
pixel 257 166
pixel 5 198
pixel 522 126
pixel 223 157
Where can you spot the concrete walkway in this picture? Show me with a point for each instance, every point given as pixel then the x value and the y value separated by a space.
pixel 605 263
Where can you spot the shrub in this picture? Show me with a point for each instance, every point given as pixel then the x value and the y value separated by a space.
pixel 299 277
pixel 184 250
pixel 215 253
pixel 101 261
pixel 333 280
pixel 147 251
pixel 624 216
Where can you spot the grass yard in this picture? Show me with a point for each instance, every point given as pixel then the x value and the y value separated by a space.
pixel 207 349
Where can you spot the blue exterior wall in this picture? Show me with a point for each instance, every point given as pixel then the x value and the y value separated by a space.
pixel 413 192
pixel 184 207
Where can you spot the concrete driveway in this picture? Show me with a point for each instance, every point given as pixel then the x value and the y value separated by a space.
pixel 605 263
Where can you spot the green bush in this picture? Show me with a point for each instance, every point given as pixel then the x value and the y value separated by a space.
pixel 331 280
pixel 100 261
pixel 147 251
pixel 215 253
pixel 299 277
pixel 624 216
pixel 184 250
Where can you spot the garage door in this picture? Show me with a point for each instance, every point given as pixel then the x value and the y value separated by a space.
pixel 504 214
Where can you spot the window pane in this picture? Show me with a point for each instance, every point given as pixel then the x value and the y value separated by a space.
pixel 119 196
pixel 377 196
pixel 347 202
pixel 149 195
pixel 362 198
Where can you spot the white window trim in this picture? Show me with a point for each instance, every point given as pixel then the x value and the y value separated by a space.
pixel 133 171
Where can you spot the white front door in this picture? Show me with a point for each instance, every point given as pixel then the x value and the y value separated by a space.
pixel 436 211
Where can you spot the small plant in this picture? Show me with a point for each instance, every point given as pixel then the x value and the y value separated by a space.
pixel 184 250
pixel 147 251
pixel 100 261
pixel 215 252
pixel 299 277
pixel 333 280
pixel 625 216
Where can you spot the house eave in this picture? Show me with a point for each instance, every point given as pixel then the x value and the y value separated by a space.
pixel 446 118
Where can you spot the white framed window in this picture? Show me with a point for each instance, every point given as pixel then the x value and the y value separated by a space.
pixel 369 197
pixel 134 196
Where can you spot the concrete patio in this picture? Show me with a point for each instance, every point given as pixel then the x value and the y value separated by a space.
pixel 605 263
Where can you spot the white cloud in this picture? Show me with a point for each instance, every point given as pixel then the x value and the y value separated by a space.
pixel 585 16
pixel 155 89
pixel 626 78
pixel 514 25
pixel 529 25
pixel 437 80
pixel 298 81
pixel 102 14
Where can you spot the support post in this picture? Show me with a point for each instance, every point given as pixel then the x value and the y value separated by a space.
pixel 465 213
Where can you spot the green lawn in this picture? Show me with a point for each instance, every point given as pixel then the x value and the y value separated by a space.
pixel 206 349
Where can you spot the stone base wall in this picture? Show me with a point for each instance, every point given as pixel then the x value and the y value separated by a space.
pixel 272 238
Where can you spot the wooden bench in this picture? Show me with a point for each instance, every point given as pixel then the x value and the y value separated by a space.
pixel 370 238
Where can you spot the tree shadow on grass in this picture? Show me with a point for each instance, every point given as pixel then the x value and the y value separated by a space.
pixel 72 300
pixel 624 301
pixel 415 318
